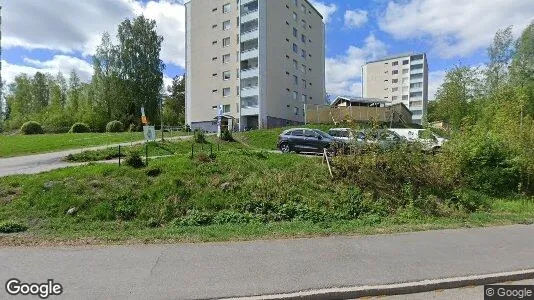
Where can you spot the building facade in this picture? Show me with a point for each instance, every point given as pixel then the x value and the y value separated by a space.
pixel 399 79
pixel 260 62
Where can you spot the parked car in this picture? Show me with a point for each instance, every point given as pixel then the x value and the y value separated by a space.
pixel 385 139
pixel 346 135
pixel 305 140
pixel 430 141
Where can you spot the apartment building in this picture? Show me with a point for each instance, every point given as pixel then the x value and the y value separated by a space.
pixel 399 79
pixel 259 61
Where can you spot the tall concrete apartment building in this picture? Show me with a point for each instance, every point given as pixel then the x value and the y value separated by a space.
pixel 399 79
pixel 261 61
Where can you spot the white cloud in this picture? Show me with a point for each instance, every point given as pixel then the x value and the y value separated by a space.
pixel 76 26
pixel 455 27
pixel 355 18
pixel 343 73
pixel 62 63
pixel 327 10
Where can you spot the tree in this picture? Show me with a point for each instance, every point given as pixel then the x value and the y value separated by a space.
pixel 500 54
pixel 455 97
pixel 522 70
pixel 140 66
pixel 73 95
pixel 19 101
pixel 40 94
pixel 174 103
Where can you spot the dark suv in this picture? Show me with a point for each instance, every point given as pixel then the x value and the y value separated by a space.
pixel 305 140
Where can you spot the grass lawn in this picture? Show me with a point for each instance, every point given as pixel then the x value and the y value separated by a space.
pixel 239 195
pixel 16 145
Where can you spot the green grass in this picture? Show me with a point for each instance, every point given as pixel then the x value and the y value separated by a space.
pixel 267 139
pixel 16 145
pixel 121 205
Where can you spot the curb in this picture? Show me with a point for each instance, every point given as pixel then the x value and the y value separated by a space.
pixel 402 288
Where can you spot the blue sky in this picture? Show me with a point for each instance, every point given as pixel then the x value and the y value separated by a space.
pixel 56 35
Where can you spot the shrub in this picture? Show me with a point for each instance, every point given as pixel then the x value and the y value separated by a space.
pixel 125 208
pixel 12 227
pixel 200 137
pixel 115 126
pixel 135 128
pixel 226 135
pixel 79 128
pixel 31 127
pixel 134 160
pixel 194 218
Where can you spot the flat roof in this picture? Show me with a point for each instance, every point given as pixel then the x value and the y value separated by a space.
pixel 361 100
pixel 406 54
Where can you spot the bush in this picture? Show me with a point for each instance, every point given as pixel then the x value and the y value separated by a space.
pixel 200 137
pixel 194 218
pixel 115 126
pixel 134 160
pixel 226 135
pixel 135 128
pixel 31 127
pixel 79 128
pixel 12 227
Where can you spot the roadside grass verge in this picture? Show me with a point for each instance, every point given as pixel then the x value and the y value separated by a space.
pixel 17 145
pixel 158 148
pixel 239 194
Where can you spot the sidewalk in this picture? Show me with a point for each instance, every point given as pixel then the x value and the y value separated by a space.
pixel 215 270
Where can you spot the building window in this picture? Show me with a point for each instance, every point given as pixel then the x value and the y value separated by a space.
pixel 226 92
pixel 296 110
pixel 295 64
pixel 295 95
pixel 226 8
pixel 303 54
pixel 295 17
pixel 395 81
pixel 405 62
pixel 303 69
pixel 226 75
pixel 303 38
pixel 394 98
pixel 226 25
pixel 295 32
pixel 295 48
pixel 226 109
pixel 303 22
pixel 226 58
pixel 304 98
pixel 395 63
pixel 226 42
pixel 405 97
pixel 395 72
pixel 295 80
pixel 304 83
pixel 405 71
pixel 395 89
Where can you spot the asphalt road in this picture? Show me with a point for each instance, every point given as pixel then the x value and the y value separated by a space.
pixel 214 270
pixel 38 163
pixel 474 292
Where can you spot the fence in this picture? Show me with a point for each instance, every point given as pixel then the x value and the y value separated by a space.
pixel 321 114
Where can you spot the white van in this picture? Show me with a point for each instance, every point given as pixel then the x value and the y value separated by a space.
pixel 430 140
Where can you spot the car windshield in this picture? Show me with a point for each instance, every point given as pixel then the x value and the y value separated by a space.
pixel 323 134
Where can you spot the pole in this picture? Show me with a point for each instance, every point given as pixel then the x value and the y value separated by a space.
pixel 119 155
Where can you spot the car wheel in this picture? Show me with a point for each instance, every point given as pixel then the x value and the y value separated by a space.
pixel 285 148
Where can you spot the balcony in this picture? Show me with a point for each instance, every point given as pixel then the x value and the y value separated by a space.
pixel 250 72
pixel 249 11
pixel 249 54
pixel 416 89
pixel 250 91
pixel 250 35
pixel 250 110
pixel 417 62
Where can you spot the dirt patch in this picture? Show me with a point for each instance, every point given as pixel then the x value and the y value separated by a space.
pixel 9 194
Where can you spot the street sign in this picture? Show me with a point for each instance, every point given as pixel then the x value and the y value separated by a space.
pixel 150 133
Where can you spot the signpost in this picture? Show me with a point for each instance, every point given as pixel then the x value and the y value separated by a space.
pixel 219 120
pixel 150 133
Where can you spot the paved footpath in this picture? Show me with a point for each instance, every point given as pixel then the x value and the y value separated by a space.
pixel 38 163
pixel 214 270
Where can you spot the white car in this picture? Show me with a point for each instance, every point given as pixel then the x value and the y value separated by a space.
pixel 346 135
pixel 430 140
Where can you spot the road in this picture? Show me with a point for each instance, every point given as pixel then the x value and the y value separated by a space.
pixel 474 292
pixel 214 270
pixel 38 163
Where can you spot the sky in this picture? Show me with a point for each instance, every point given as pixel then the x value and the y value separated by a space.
pixel 61 35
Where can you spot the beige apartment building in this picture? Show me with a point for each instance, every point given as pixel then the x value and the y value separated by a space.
pixel 256 62
pixel 399 79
